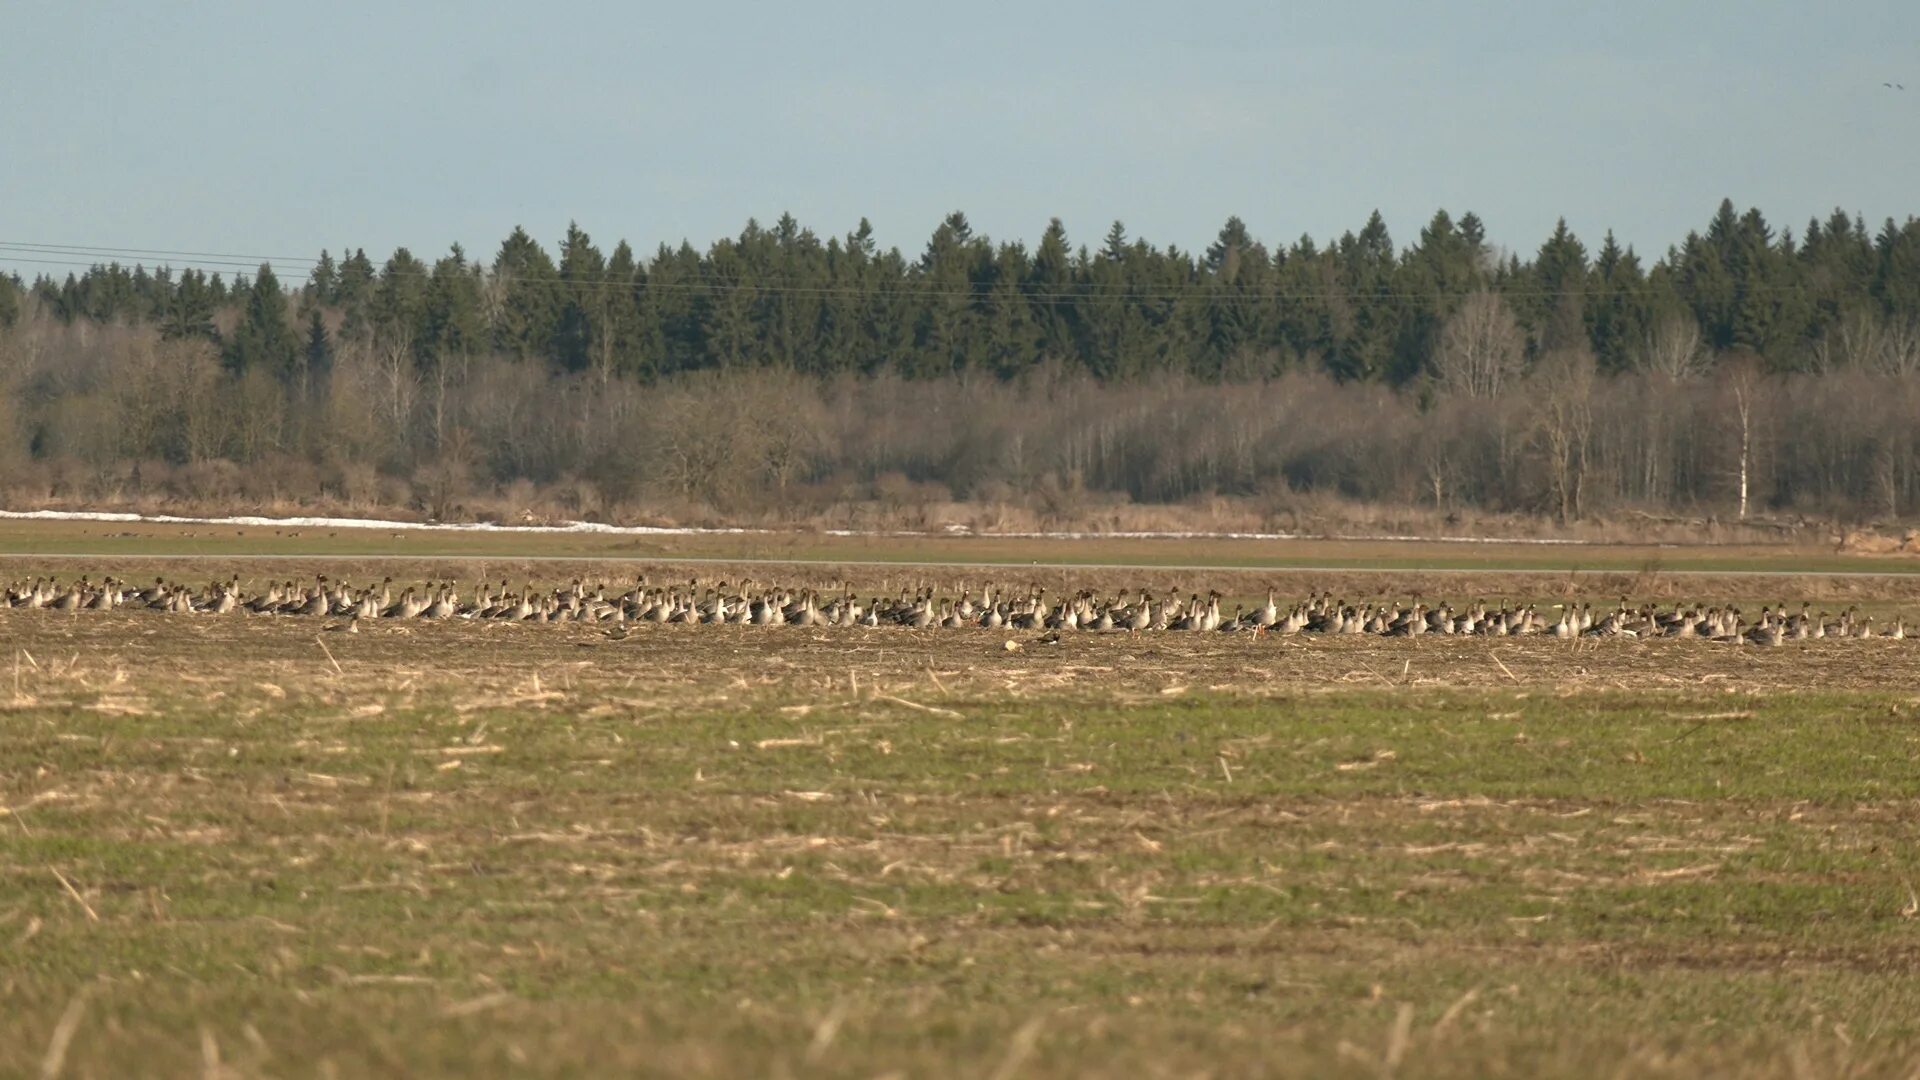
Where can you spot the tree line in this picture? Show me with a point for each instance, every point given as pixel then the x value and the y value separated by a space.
pixel 1359 307
pixel 1747 368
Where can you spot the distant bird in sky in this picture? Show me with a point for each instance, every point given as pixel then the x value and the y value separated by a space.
pixel 1894 86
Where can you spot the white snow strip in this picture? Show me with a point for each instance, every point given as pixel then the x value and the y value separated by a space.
pixel 598 528
pixel 356 523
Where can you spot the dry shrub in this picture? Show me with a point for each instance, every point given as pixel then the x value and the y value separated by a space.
pixel 357 483
pixel 1645 454
pixel 210 481
pixel 579 499
pixel 283 478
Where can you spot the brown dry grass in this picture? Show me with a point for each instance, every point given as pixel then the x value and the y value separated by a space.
pixel 1886 595
pixel 730 664
pixel 244 846
pixel 25 539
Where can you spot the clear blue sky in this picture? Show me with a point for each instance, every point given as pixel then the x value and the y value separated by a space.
pixel 275 128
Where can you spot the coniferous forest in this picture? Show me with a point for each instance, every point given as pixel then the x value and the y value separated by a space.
pixel 1751 370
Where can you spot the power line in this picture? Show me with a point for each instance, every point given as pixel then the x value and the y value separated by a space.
pixel 256 259
pixel 95 264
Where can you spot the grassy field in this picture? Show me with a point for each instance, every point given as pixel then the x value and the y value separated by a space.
pixel 132 540
pixel 236 846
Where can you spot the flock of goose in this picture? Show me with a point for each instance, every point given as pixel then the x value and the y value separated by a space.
pixel 749 603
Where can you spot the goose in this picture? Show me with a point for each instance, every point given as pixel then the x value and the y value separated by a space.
pixel 1267 614
pixel 71 599
pixel 444 604
pixel 924 606
pixel 314 604
pixel 520 611
pixel 409 606
pixel 36 597
pixel 805 615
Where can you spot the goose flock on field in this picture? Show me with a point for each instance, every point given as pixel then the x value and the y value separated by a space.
pixel 749 603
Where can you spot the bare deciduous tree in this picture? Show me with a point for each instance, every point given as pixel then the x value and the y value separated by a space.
pixel 394 351
pixel 1673 349
pixel 1743 376
pixel 1564 381
pixel 1481 348
pixel 1898 351
pixel 88 403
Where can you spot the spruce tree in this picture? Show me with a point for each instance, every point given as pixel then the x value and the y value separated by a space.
pixel 453 323
pixel 530 309
pixel 620 343
pixel 354 293
pixel 583 300
pixel 1233 239
pixel 323 284
pixel 264 339
pixel 319 354
pixel 189 312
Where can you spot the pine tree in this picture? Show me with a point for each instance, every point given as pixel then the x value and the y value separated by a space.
pixel 1011 338
pixel 1435 275
pixel 263 339
pixel 1896 282
pixel 676 308
pixel 1115 327
pixel 1364 313
pixel 954 272
pixel 1052 287
pixel 189 312
pixel 399 306
pixel 1474 233
pixel 1621 310
pixel 529 315
pixel 1556 307
pixel 583 300
pixel 619 347
pixel 1703 281
pixel 319 353
pixel 1232 240
pixel 323 284
pixel 728 328
pixel 836 340
pixel 354 293
pixel 454 325
pixel 1757 271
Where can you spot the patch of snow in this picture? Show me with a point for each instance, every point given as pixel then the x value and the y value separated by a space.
pixel 598 528
pixel 357 523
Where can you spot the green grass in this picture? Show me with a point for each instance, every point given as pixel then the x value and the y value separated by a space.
pixel 389 878
pixel 36 538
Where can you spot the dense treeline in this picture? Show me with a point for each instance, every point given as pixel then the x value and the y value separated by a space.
pixel 1746 368
pixel 1358 308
